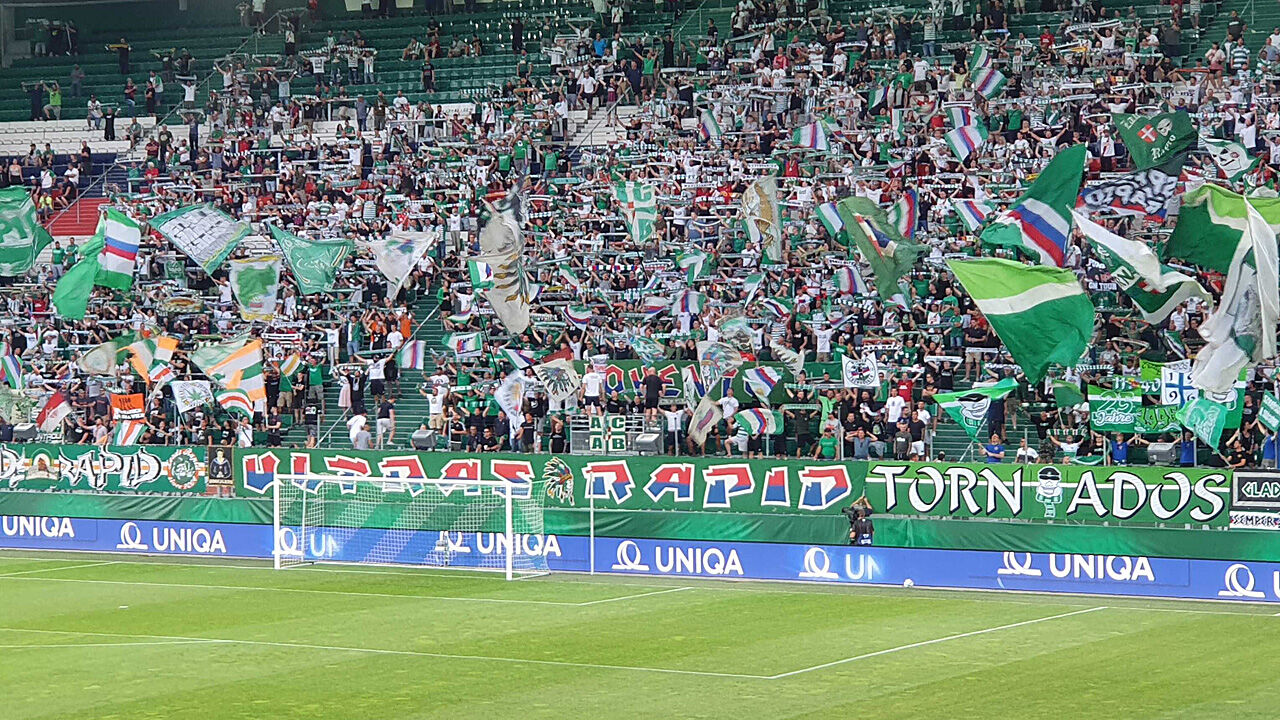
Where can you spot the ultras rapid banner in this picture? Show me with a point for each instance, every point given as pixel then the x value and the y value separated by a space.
pixel 1138 495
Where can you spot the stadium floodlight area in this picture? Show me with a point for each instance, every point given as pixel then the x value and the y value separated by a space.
pixel 455 523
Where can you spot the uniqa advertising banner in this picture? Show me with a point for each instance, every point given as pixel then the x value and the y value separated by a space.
pixel 631 483
pixel 1055 492
pixel 135 469
pixel 957 569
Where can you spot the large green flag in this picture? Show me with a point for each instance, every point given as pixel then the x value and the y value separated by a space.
pixel 21 235
pixel 1040 313
pixel 1039 224
pixel 969 407
pixel 256 285
pixel 1232 158
pixel 1156 289
pixel 1113 410
pixel 1205 418
pixel 71 296
pixel 314 263
pixel 882 247
pixel 1066 394
pixel 1234 235
pixel 639 204
pixel 1156 140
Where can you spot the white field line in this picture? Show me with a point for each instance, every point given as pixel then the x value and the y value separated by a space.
pixel 344 593
pixel 934 641
pixel 632 597
pixel 52 569
pixel 110 645
pixel 407 653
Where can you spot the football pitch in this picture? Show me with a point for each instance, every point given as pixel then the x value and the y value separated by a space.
pixel 91 636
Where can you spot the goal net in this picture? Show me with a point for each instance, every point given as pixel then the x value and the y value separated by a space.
pixel 459 524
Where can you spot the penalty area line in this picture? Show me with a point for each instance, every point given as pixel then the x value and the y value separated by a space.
pixel 934 641
pixel 633 597
pixel 60 567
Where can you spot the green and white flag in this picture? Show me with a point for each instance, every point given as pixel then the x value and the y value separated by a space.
pixel 969 407
pixel 762 218
pixel 1269 412
pixel 256 285
pixel 1066 394
pixel 694 264
pixel 752 285
pixel 1156 289
pixel 1231 158
pixel 204 233
pixel 1205 419
pixel 481 275
pixel 71 295
pixel 830 217
pixel 1113 410
pixel 121 237
pixel 21 235
pixel 1156 140
pixel 639 204
pixel 878 241
pixel 1223 231
pixel 314 263
pixel 1041 314
pixel 396 255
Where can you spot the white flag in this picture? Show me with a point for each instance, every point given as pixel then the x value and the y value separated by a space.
pixel 191 394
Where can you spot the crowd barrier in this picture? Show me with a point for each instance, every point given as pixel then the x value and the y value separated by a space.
pixel 1162 532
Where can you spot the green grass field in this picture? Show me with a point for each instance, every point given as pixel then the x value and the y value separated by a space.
pixel 87 636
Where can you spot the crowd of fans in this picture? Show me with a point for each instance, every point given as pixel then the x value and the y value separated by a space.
pixel 290 145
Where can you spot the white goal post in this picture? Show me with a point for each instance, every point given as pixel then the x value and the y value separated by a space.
pixel 454 523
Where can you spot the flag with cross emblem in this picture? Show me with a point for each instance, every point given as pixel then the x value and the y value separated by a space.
pixel 1156 140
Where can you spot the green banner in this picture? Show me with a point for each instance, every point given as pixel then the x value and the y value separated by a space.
pixel 1113 410
pixel 1051 492
pixel 1155 419
pixel 1269 412
pixel 134 469
pixel 632 483
pixel 1137 495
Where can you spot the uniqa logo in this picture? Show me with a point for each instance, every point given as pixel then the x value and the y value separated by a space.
pixel 37 526
pixel 628 557
pixel 527 544
pixel 1238 581
pixel 1121 568
pixel 679 560
pixel 817 566
pixel 318 545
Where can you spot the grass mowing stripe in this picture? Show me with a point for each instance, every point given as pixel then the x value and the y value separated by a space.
pixel 60 567
pixel 409 653
pixel 934 641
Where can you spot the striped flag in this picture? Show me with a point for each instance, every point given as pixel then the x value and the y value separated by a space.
pixel 1039 225
pixel 119 256
pixel 578 316
pixel 708 127
pixel 687 301
pixel 481 274
pixel 128 432
pixel 413 354
pixel 903 214
pixel 147 353
pixel 463 344
pixel 877 96
pixel 777 306
pixel 973 213
pixel 959 116
pixel 988 81
pixel 289 366
pixel 520 358
pixel 757 421
pixel 11 369
pixel 849 281
pixel 236 364
pixel 965 140
pixel 654 306
pixel 812 136
pixel 236 402
pixel 831 220
pixel 1041 314
pixel 160 373
pixel 751 285
pixel 981 58
pixel 761 380
pixel 694 263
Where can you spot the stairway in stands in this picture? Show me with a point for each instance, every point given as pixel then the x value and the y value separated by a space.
pixel 80 220
pixel 411 407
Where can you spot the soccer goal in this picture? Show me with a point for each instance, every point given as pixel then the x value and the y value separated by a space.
pixel 448 523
